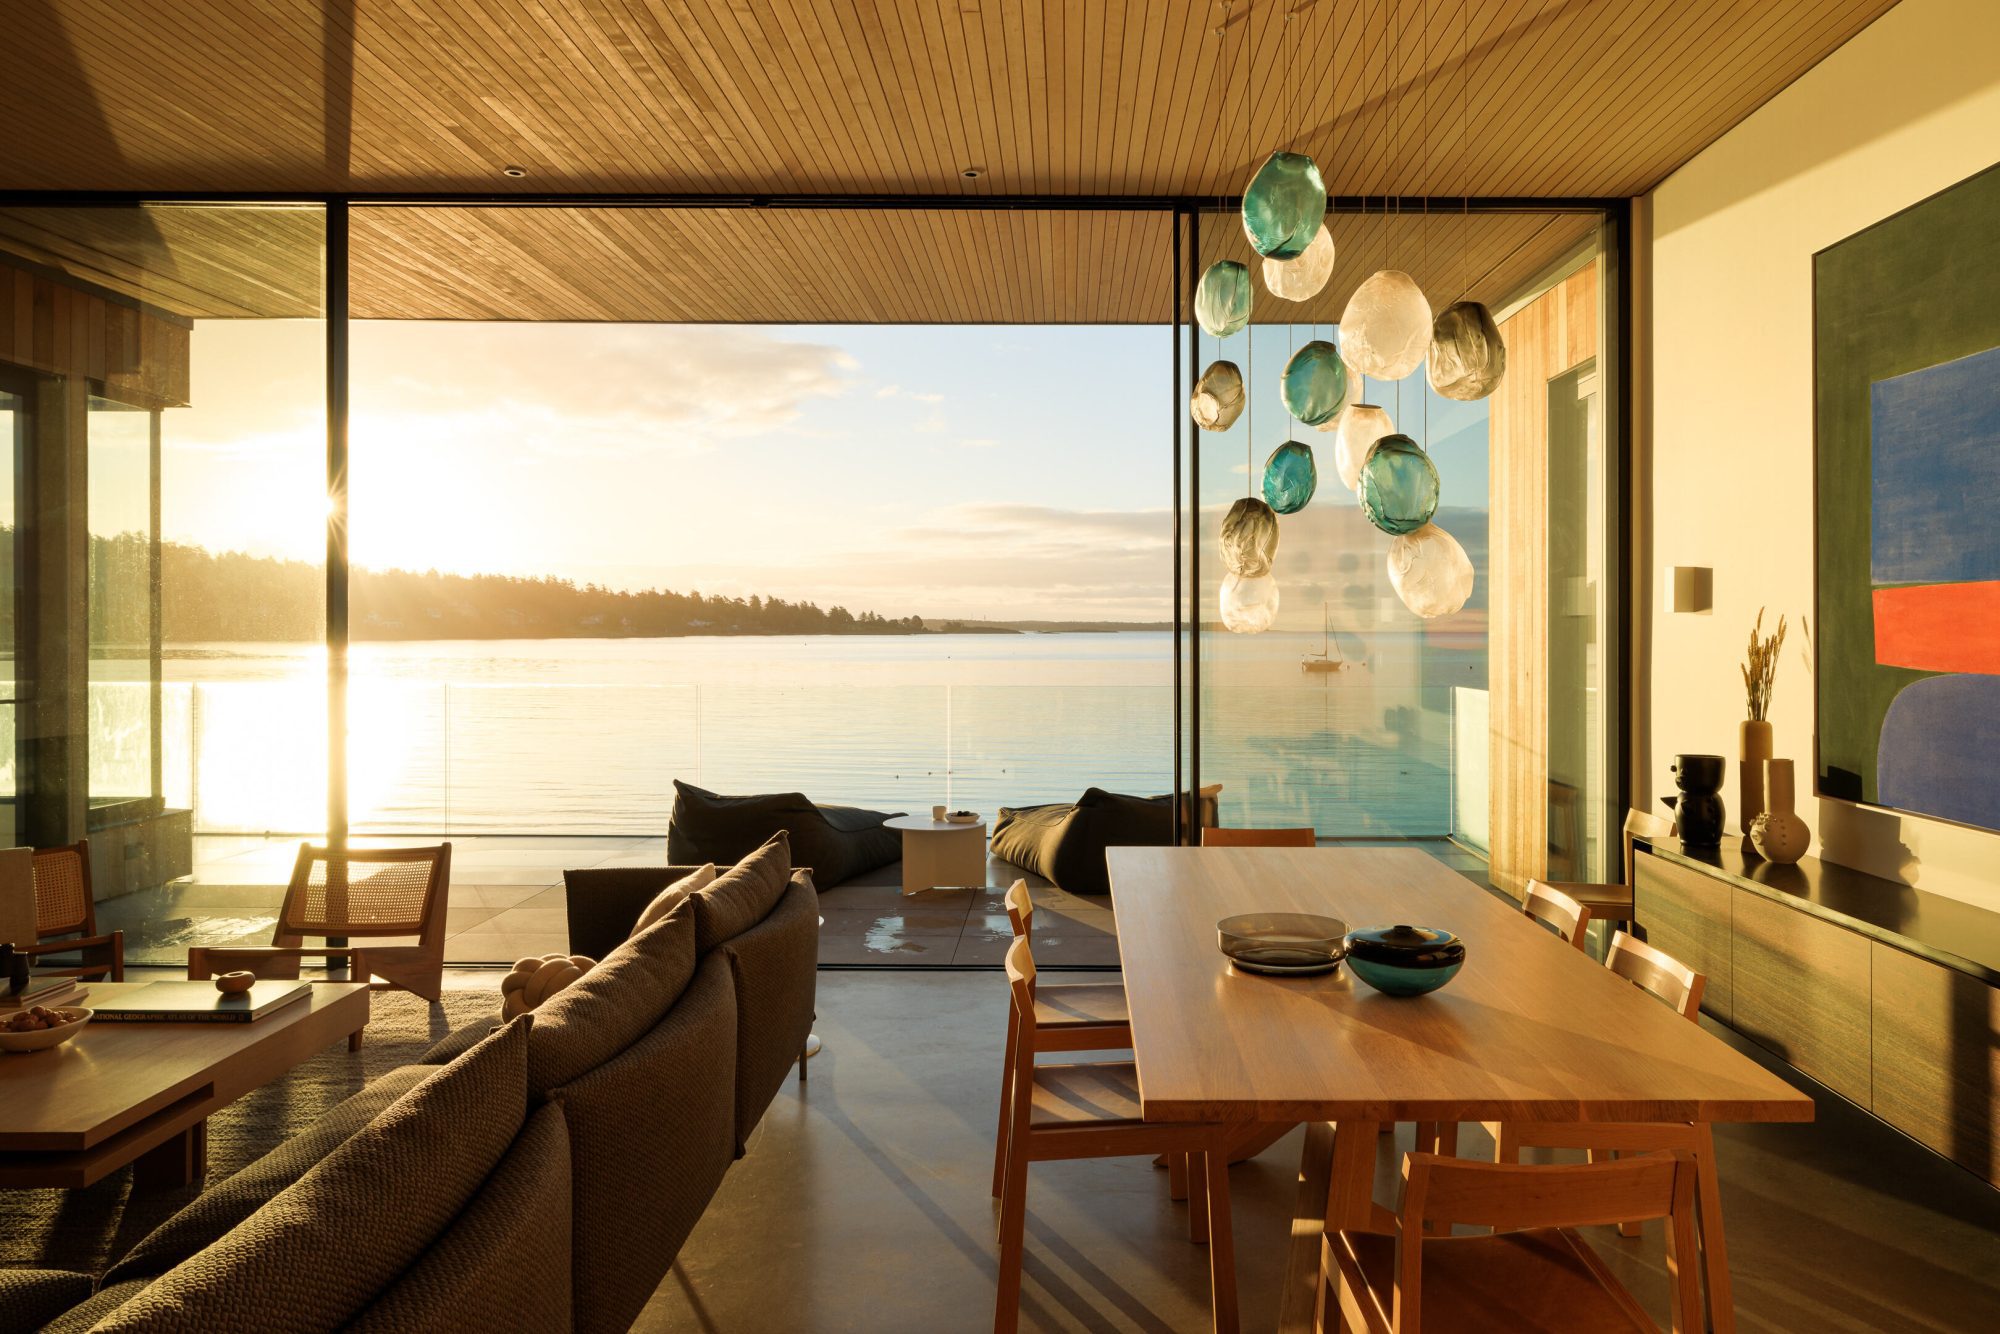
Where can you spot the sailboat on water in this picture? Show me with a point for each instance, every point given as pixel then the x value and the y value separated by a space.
pixel 1328 659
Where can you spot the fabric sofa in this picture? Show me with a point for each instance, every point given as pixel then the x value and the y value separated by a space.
pixel 1064 842
pixel 835 843
pixel 540 1174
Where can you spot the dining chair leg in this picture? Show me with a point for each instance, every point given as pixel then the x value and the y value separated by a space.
pixel 1177 1176
pixel 1013 1235
pixel 1505 1149
pixel 1714 1251
pixel 1197 1184
pixel 1006 1101
pixel 1221 1240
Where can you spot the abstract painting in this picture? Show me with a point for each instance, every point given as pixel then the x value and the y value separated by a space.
pixel 1907 398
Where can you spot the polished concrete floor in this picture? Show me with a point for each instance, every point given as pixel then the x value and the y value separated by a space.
pixel 863 1205
pixel 507 902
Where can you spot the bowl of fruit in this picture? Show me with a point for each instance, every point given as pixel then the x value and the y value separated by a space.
pixel 40 1027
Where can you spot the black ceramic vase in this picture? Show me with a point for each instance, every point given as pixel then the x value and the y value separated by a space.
pixel 1698 807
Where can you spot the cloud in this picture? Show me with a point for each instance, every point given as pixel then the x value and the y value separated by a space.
pixel 897 391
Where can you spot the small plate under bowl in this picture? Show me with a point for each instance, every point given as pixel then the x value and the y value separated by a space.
pixel 1283 944
pixel 40 1039
pixel 961 817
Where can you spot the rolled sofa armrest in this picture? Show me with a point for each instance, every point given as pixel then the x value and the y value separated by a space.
pixel 604 902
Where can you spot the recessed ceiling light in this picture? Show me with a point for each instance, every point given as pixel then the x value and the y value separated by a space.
pixel 516 172
pixel 973 173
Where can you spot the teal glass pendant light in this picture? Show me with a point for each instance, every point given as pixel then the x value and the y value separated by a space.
pixel 1291 477
pixel 1315 383
pixel 1284 205
pixel 1222 298
pixel 1399 486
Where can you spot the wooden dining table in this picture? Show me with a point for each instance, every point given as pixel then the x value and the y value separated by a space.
pixel 1531 1029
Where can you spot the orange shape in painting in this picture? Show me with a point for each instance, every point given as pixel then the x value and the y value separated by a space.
pixel 1939 627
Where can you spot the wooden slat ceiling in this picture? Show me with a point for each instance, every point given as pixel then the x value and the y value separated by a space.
pixel 1090 97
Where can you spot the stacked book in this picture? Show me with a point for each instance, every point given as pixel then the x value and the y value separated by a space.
pixel 51 991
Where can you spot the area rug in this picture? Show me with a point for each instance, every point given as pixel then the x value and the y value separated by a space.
pixel 86 1230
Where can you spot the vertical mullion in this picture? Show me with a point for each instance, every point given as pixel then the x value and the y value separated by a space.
pixel 156 708
pixel 1182 805
pixel 1194 540
pixel 335 315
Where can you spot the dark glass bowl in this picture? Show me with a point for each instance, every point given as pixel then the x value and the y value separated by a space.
pixel 1404 960
pixel 1283 943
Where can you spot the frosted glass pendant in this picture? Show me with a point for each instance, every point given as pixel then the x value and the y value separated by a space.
pixel 1314 385
pixel 1430 571
pixel 1300 279
pixel 1249 603
pixel 1356 430
pixel 1249 538
pixel 1290 477
pixel 1222 298
pixel 1386 328
pixel 1399 485
pixel 1467 355
pixel 1284 205
pixel 1217 400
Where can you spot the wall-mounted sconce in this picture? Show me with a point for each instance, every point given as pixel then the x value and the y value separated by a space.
pixel 1691 588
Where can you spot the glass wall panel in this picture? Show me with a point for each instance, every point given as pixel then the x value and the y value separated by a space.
pixel 168 506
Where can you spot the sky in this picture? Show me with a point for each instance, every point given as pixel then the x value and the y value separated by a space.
pixel 993 471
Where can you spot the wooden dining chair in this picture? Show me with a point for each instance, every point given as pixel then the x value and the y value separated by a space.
pixel 1259 838
pixel 1083 1016
pixel 365 893
pixel 1534 1272
pixel 66 917
pixel 1092 1110
pixel 1557 911
pixel 1614 903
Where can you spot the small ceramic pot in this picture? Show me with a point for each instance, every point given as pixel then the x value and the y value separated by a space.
pixel 1404 960
pixel 1778 834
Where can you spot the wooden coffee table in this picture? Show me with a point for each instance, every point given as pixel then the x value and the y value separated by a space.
pixel 120 1093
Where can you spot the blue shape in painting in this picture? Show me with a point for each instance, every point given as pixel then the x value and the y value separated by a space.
pixel 1937 747
pixel 1935 437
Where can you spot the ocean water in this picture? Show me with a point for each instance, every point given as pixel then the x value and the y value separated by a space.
pixel 586 736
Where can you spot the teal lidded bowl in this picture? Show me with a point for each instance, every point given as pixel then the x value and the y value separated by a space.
pixel 1404 960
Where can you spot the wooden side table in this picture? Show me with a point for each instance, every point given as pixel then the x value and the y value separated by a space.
pixel 940 855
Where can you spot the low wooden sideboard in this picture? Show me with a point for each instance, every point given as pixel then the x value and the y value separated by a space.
pixel 1886 994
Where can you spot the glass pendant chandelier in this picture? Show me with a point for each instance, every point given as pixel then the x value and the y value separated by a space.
pixel 1290 477
pixel 1222 298
pixel 1249 538
pixel 1467 356
pixel 1386 328
pixel 1399 485
pixel 1314 385
pixel 1249 603
pixel 1356 430
pixel 1284 205
pixel 1430 571
pixel 1301 279
pixel 1217 400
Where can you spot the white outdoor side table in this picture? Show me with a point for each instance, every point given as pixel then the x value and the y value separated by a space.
pixel 940 855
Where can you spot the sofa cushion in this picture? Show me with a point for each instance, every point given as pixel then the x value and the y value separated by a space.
pixel 775 969
pixel 651 1135
pixel 323 1248
pixel 614 1004
pixel 835 843
pixel 86 1315
pixel 30 1298
pixel 215 1211
pixel 669 898
pixel 742 895
pixel 1065 844
pixel 504 1263
pixel 461 1039
pixel 1028 836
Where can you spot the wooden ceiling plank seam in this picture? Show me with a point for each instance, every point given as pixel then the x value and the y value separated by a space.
pixel 986 88
pixel 945 105
pixel 1567 57
pixel 903 153
pixel 604 36
pixel 924 158
pixel 987 32
pixel 1091 64
pixel 668 59
pixel 961 79
pixel 1512 51
pixel 1026 37
pixel 255 267
pixel 1123 139
pixel 850 91
pixel 1074 41
pixel 1178 138
pixel 1022 100
pixel 753 52
pixel 930 237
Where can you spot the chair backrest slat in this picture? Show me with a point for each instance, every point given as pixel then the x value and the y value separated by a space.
pixel 1656 971
pixel 1511 1196
pixel 1642 824
pixel 1259 838
pixel 365 891
pixel 63 903
pixel 1557 910
pixel 1020 909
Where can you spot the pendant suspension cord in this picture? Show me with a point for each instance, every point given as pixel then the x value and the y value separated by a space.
pixel 1465 183
pixel 1424 243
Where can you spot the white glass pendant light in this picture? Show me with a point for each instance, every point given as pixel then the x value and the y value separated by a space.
pixel 1249 538
pixel 1249 603
pixel 1217 400
pixel 1386 329
pixel 1429 571
pixel 1301 279
pixel 1356 430
pixel 1468 357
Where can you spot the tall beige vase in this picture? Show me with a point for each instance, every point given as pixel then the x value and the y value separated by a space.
pixel 1778 834
pixel 1754 742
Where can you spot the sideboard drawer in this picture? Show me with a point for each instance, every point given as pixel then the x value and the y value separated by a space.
pixel 1802 990
pixel 1937 1058
pixel 1686 914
